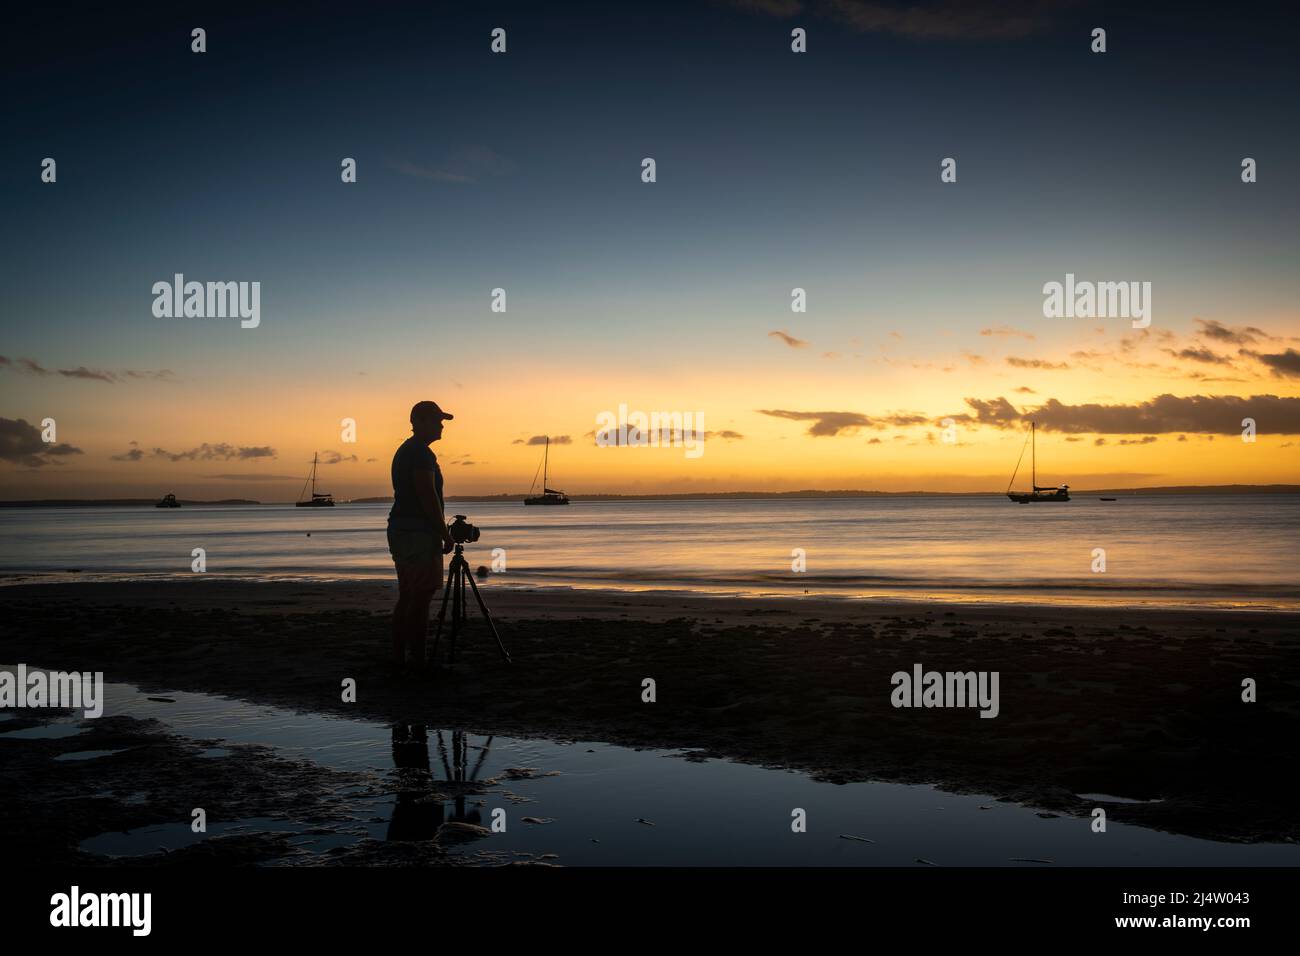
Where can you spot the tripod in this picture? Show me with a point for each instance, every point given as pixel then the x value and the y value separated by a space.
pixel 457 574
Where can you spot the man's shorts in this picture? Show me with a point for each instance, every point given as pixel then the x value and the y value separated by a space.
pixel 418 557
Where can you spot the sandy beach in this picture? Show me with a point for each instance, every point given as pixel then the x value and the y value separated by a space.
pixel 1086 706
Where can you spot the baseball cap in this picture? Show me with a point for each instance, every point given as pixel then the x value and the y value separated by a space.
pixel 428 409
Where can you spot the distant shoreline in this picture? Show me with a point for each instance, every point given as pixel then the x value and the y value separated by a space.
pixel 686 496
pixel 116 502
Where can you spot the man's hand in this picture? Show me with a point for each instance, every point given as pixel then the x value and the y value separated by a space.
pixel 447 543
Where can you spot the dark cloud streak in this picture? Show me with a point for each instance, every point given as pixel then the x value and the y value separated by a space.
pixel 21 444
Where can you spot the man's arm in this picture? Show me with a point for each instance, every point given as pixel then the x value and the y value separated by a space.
pixel 427 491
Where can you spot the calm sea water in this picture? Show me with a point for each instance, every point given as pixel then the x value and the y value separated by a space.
pixel 592 797
pixel 1202 549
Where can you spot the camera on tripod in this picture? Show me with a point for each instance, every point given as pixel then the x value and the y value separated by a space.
pixel 462 532
pixel 458 575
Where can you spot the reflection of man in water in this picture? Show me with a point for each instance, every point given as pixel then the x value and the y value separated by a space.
pixel 418 811
pixel 417 531
pixel 415 815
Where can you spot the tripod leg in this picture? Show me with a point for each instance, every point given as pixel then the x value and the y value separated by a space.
pixel 442 752
pixel 481 757
pixel 457 590
pixel 463 572
pixel 488 617
pixel 442 613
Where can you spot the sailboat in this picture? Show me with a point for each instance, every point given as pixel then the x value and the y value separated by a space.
pixel 549 496
pixel 316 500
pixel 1038 493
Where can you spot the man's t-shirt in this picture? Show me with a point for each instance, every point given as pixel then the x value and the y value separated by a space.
pixel 411 460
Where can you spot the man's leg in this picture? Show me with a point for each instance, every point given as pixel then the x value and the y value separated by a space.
pixel 416 583
pixel 400 613
pixel 419 624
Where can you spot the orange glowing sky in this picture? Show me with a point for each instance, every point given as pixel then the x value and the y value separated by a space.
pixel 141 437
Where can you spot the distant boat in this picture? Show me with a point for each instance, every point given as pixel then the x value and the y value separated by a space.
pixel 549 496
pixel 1038 493
pixel 316 500
pixel 168 501
pixel 1107 499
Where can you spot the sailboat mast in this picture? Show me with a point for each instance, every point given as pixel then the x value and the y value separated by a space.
pixel 546 458
pixel 313 473
pixel 1033 453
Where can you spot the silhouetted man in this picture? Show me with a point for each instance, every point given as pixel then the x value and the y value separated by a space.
pixel 417 531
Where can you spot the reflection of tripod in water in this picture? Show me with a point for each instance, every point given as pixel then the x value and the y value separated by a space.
pixel 419 810
pixel 457 575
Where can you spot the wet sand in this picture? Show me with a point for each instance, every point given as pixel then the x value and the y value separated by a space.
pixel 1142 704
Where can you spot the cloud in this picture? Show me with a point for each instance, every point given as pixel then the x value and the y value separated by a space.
pixel 1243 335
pixel 135 454
pixel 788 339
pixel 93 373
pixel 426 172
pixel 1200 355
pixel 823 423
pixel 336 458
pixel 1026 390
pixel 725 434
pixel 1017 362
pixel 773 8
pixel 1206 414
pixel 23 365
pixel 254 477
pixel 947 19
pixel 21 444
pixel 465 166
pixel 1089 355
pixel 936 20
pixel 1005 331
pixel 218 452
pixel 997 412
pixel 32 367
pixel 541 440
pixel 1283 364
pixel 833 423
